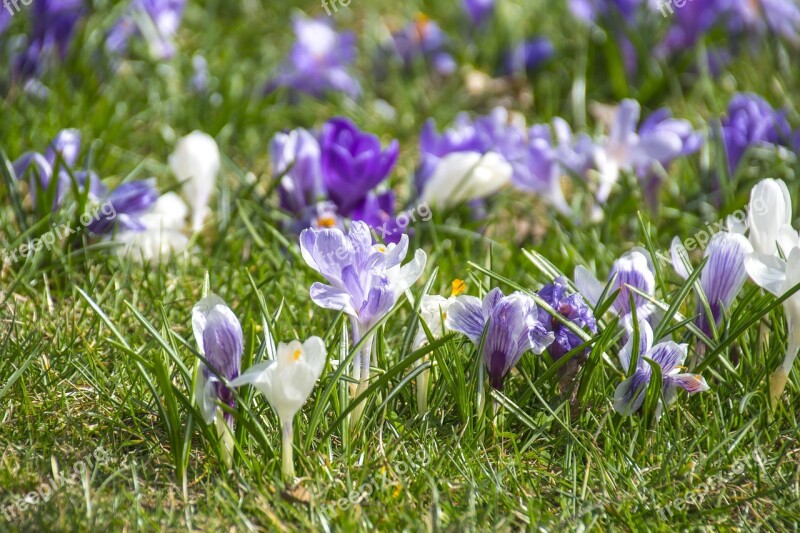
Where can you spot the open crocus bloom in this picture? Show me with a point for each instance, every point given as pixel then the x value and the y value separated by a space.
pixel 513 329
pixel 220 340
pixel 722 278
pixel 287 383
pixel 196 162
pixel 669 355
pixel 464 176
pixel 632 269
pixel 365 280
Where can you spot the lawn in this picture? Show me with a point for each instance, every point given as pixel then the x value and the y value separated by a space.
pixel 101 376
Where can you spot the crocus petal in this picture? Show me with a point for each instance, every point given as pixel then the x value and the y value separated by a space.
pixel 691 383
pixel 464 176
pixel 629 395
pixel 588 285
pixel 767 271
pixel 200 313
pixel 205 394
pixel 465 316
pixel 410 272
pixel 645 343
pixel 680 258
pixel 332 298
pixel 669 355
pixel 770 210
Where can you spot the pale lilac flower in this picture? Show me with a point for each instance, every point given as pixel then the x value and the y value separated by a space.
pixel 156 20
pixel 722 278
pixel 670 356
pixel 512 328
pixel 319 61
pixel 632 269
pixel 296 159
pixel 128 203
pixel 365 281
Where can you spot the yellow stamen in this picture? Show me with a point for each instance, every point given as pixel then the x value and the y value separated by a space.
pixel 326 222
pixel 458 286
pixel 381 248
pixel 296 354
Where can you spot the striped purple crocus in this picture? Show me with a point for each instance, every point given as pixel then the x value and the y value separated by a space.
pixel 219 339
pixel 629 396
pixel 632 269
pixel 512 328
pixel 722 278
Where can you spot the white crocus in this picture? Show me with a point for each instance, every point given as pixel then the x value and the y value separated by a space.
pixel 433 310
pixel 287 383
pixel 464 176
pixel 196 163
pixel 775 263
pixel 162 236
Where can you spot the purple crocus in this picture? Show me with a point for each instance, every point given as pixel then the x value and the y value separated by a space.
pixel 424 39
pixel 61 155
pixel 751 121
pixel 479 10
pixel 462 136
pixel 378 212
pixel 5 19
pixel 53 24
pixel 364 280
pixel 319 61
pixel 632 269
pixel 219 339
pixel 126 204
pixel 527 56
pixel 630 394
pixel 156 20
pixel 353 163
pixel 295 159
pixel 592 11
pixel 512 328
pixel 722 278
pixel 571 306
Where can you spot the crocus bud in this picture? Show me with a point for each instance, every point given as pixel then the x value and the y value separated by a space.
pixel 196 162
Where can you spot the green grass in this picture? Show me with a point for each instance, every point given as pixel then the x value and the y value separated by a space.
pixel 98 353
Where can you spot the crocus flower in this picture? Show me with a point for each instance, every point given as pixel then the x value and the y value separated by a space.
pixel 527 56
pixel 195 162
pixel 424 39
pixel 723 275
pixel 220 341
pixel 296 162
pixel 61 154
pixel 513 329
pixel 433 311
pixel 287 383
pixel 353 163
pixel 571 307
pixel 128 202
pixel 632 269
pixel 479 10
pixel 156 20
pixel 751 121
pixel 669 356
pixel 464 176
pixel 625 149
pixel 462 136
pixel 775 263
pixel 543 170
pixel 378 212
pixel 53 24
pixel 591 11
pixel 365 280
pixel 319 61
pixel 162 235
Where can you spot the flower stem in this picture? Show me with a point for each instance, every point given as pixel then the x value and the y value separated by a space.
pixel 287 464
pixel 778 379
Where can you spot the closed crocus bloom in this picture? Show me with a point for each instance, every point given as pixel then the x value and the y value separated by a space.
pixel 632 269
pixel 220 340
pixel 196 162
pixel 670 356
pixel 287 383
pixel 479 10
pixel 770 210
pixel 353 162
pixel 53 24
pixel 162 235
pixel 296 162
pixel 723 275
pixel 463 176
pixel 513 329
pixel 126 204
